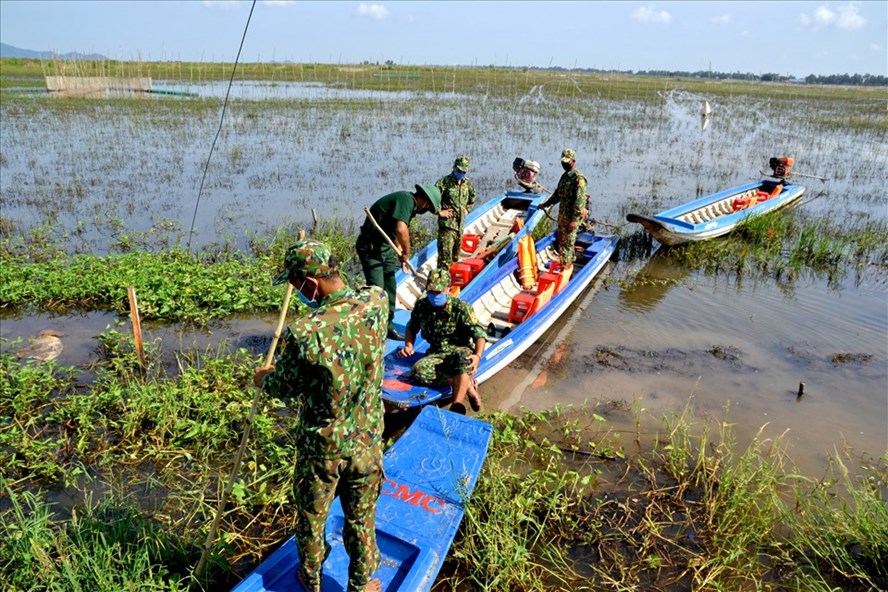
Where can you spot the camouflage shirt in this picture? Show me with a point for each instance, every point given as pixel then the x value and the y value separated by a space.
pixel 332 368
pixel 571 197
pixel 453 324
pixel 456 196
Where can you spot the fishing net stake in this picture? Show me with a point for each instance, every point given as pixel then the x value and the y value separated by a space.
pixel 137 325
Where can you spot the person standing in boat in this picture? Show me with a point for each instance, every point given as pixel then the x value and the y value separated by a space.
pixel 570 195
pixel 393 213
pixel 457 200
pixel 331 369
pixel 456 341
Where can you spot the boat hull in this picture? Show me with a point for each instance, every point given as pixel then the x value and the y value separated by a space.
pixel 430 472
pixel 490 299
pixel 713 215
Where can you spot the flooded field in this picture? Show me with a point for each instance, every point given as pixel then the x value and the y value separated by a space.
pixel 657 335
pixel 114 175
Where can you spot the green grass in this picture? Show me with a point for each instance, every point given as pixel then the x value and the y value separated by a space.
pixel 561 503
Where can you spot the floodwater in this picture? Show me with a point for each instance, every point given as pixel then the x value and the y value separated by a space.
pixel 730 348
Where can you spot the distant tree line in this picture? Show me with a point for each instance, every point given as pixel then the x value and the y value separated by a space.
pixel 855 79
pixel 846 79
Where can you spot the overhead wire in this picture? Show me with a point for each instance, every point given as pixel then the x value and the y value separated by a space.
pixel 218 131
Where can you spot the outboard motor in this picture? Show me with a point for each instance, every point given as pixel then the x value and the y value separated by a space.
pixel 525 173
pixel 781 166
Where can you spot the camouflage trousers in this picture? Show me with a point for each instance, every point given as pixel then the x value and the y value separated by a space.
pixel 449 243
pixel 564 243
pixel 440 365
pixel 357 481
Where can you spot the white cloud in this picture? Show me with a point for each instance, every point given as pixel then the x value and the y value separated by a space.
pixel 376 11
pixel 846 17
pixel 849 19
pixel 278 2
pixel 649 14
pixel 724 19
pixel 876 47
pixel 223 4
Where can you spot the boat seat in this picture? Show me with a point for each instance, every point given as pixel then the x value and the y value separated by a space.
pixel 525 303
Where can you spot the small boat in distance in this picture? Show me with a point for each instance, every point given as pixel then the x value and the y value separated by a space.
pixel 430 472
pixel 717 214
pixel 515 310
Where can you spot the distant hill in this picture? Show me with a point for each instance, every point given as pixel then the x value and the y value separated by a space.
pixel 9 51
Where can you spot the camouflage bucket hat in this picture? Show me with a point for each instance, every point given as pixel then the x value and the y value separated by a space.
pixel 462 164
pixel 439 281
pixel 307 257
pixel 568 155
pixel 433 194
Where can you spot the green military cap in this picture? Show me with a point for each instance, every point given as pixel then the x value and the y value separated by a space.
pixel 433 194
pixel 462 164
pixel 568 155
pixel 308 257
pixel 439 281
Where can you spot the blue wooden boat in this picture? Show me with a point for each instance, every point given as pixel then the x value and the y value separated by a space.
pixel 489 224
pixel 494 300
pixel 430 473
pixel 717 214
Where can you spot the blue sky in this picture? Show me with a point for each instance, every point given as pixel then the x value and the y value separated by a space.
pixel 797 38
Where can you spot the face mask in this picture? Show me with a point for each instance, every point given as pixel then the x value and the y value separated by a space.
pixel 458 175
pixel 565 166
pixel 438 300
pixel 309 302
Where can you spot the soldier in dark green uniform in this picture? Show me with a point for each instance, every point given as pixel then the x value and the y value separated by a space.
pixel 572 207
pixel 332 368
pixel 393 213
pixel 456 341
pixel 457 200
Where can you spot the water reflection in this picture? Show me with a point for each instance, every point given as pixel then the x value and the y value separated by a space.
pixel 649 286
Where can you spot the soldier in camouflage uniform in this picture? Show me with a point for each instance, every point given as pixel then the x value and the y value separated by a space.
pixel 572 207
pixel 332 369
pixel 456 341
pixel 457 200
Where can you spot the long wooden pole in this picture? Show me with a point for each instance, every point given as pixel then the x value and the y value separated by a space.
pixel 243 444
pixel 389 240
pixel 137 324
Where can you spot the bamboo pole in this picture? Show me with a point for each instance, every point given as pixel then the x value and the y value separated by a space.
pixel 137 325
pixel 389 240
pixel 211 535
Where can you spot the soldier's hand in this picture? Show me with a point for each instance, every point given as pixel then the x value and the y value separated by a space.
pixel 406 351
pixel 474 360
pixel 259 374
pixel 446 213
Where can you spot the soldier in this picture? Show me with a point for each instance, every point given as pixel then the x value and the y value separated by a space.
pixel 332 368
pixel 457 200
pixel 456 341
pixel 572 207
pixel 393 213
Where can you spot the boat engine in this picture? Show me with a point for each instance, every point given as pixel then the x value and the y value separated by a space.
pixel 781 165
pixel 526 172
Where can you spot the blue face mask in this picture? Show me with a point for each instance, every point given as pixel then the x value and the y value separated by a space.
pixel 311 303
pixel 458 175
pixel 438 299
